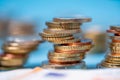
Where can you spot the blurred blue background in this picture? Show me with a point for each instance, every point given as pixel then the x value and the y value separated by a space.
pixel 103 13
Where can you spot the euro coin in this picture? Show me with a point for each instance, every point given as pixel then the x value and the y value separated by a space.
pixel 80 20
pixel 63 25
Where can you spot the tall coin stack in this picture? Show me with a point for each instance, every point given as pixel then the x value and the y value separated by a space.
pixel 112 59
pixel 69 49
pixel 19 44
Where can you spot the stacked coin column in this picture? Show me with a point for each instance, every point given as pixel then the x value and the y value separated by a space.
pixel 18 45
pixel 69 51
pixel 112 59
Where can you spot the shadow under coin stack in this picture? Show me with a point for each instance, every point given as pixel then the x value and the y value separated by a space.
pixel 69 50
pixel 112 59
pixel 19 44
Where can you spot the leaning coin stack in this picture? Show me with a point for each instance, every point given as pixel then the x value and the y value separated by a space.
pixel 17 47
pixel 69 50
pixel 112 59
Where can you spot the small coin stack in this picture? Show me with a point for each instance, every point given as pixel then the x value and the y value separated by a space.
pixel 69 50
pixel 16 49
pixel 112 59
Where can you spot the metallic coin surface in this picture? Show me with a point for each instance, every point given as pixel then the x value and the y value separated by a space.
pixel 56 54
pixel 68 48
pixel 80 20
pixel 12 60
pixel 66 41
pixel 80 65
pixel 55 35
pixel 54 31
pixel 63 25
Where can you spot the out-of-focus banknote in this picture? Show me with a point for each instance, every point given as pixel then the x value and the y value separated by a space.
pixel 45 74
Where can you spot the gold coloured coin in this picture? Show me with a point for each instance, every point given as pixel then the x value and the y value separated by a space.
pixel 55 35
pixel 56 54
pixel 65 59
pixel 54 31
pixel 80 20
pixel 70 51
pixel 63 62
pixel 63 25
pixel 12 62
pixel 16 50
pixel 82 42
pixel 78 47
pixel 113 56
pixel 58 39
pixel 114 44
pixel 108 63
pixel 110 66
pixel 113 62
pixel 65 41
pixel 65 56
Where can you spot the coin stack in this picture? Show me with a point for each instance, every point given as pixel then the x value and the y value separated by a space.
pixel 17 48
pixel 112 59
pixel 69 50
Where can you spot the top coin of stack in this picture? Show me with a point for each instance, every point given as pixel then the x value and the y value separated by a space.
pixel 112 59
